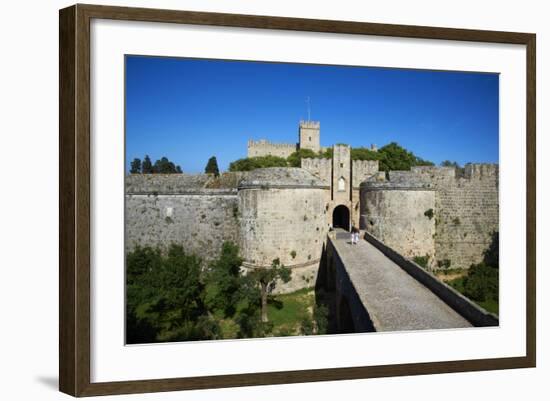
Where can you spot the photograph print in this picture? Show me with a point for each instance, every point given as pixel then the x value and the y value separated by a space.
pixel 281 199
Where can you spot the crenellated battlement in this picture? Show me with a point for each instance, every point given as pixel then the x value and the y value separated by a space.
pixel 480 170
pixel 321 168
pixel 310 124
pixel 264 148
pixel 265 142
pixel 362 170
pixel 470 171
pixel 316 163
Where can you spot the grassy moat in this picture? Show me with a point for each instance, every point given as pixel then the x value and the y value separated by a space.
pixel 174 296
pixel 289 315
pixel 458 279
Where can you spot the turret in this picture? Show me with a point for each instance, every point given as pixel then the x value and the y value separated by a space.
pixel 310 135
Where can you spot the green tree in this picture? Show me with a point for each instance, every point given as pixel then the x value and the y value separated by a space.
pixel 267 280
pixel 362 153
pixel 320 317
pixel 212 167
pixel 135 166
pixel 448 163
pixel 394 157
pixel 165 297
pixel 249 320
pixel 252 163
pixel 295 159
pixel 233 295
pixel 147 166
pixel 491 254
pixel 224 281
pixel 327 153
pixel 165 166
pixel 318 324
pixel 481 283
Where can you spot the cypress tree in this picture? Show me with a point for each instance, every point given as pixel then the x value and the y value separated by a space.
pixel 146 166
pixel 135 166
pixel 212 167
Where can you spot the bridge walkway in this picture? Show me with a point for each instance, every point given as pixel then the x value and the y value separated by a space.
pixel 393 298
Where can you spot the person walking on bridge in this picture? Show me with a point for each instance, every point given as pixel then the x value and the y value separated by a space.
pixel 354 235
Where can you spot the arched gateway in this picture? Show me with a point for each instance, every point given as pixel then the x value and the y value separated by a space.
pixel 340 217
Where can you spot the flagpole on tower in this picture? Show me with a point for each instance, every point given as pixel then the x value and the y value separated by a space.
pixel 308 109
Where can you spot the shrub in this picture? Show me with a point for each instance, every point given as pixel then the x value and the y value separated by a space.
pixel 164 297
pixel 422 260
pixel 445 263
pixel 429 213
pixel 320 316
pixel 295 159
pixel 364 154
pixel 491 255
pixel 252 163
pixel 394 157
pixel 307 326
pixel 481 283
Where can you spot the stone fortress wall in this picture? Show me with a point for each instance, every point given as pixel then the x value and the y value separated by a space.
pixel 362 170
pixel 162 209
pixel 266 148
pixel 285 213
pixel 395 214
pixel 270 213
pixel 283 216
pixel 465 211
pixel 320 168
pixel 467 208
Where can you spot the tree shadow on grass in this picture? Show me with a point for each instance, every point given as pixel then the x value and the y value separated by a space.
pixel 275 302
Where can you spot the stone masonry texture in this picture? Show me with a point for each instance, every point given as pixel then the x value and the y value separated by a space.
pixel 465 212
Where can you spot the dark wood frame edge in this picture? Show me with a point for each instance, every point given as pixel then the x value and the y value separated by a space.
pixel 74 199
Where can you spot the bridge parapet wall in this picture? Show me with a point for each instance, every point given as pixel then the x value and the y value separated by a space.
pixel 469 310
pixel 347 294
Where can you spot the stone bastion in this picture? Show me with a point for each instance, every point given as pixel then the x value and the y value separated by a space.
pixel 400 214
pixel 270 213
pixel 464 217
pixel 282 214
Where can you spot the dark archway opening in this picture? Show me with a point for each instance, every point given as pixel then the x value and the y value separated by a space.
pixel 340 217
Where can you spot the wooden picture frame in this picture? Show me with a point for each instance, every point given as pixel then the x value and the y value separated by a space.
pixel 74 199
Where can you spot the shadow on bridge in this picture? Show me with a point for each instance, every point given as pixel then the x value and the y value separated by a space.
pixel 345 315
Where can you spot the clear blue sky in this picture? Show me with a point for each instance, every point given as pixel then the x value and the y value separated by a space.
pixel 189 109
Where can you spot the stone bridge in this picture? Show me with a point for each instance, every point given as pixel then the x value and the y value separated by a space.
pixel 372 288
